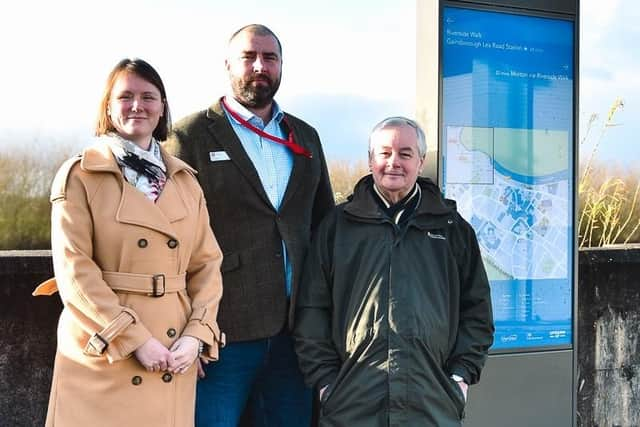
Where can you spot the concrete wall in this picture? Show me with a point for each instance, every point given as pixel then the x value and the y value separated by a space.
pixel 608 338
pixel 27 338
pixel 608 334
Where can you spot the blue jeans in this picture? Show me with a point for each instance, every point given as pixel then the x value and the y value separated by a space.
pixel 262 373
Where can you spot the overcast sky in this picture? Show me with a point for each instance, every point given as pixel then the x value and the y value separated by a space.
pixel 346 64
pixel 609 69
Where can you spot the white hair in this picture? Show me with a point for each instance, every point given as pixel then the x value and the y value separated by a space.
pixel 397 121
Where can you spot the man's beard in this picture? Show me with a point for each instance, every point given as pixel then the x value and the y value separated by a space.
pixel 255 96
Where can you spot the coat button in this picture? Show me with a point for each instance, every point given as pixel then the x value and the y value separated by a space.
pixel 171 332
pixel 137 380
pixel 167 377
pixel 172 243
pixel 142 243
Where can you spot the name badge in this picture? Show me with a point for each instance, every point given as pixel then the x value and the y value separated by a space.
pixel 218 156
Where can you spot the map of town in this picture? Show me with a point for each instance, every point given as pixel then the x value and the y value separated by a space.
pixel 513 186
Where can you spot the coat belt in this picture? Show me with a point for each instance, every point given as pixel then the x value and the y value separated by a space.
pixel 155 285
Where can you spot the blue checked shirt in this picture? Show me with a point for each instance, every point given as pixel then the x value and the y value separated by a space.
pixel 272 161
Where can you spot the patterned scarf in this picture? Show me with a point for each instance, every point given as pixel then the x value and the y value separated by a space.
pixel 143 169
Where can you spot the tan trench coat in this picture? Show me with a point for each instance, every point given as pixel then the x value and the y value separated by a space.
pixel 111 245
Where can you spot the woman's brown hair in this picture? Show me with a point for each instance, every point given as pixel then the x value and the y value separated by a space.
pixel 145 71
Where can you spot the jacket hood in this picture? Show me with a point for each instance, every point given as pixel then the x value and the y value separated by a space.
pixel 362 204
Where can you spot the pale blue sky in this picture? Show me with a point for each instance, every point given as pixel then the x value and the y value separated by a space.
pixel 346 64
pixel 609 68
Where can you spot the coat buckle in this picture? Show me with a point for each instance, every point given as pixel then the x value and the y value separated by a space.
pixel 159 285
pixel 96 345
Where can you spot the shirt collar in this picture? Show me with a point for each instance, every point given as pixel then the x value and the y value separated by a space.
pixel 405 199
pixel 403 209
pixel 276 116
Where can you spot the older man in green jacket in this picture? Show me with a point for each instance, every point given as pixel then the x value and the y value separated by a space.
pixel 393 318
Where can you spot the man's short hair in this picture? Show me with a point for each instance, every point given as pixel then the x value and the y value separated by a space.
pixel 259 30
pixel 398 121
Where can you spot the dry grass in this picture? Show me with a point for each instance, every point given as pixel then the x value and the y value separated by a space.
pixel 608 211
pixel 344 176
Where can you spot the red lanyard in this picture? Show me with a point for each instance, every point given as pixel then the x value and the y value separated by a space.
pixel 289 142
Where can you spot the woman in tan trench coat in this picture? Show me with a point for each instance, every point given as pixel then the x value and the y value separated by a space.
pixel 137 268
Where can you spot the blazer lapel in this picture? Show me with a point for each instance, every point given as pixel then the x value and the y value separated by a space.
pixel 299 165
pixel 224 134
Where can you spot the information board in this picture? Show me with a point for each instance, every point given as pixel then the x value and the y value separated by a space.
pixel 507 146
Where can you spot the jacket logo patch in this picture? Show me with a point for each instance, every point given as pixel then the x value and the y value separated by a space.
pixel 218 156
pixel 436 236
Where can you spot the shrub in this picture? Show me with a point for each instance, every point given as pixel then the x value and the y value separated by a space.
pixel 24 200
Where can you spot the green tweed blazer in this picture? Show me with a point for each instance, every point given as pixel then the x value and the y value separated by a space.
pixel 249 230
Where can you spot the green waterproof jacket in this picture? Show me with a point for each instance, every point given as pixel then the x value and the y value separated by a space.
pixel 386 314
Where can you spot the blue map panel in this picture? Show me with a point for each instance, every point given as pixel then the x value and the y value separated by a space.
pixel 507 132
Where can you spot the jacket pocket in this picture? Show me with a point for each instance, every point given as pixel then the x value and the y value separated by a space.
pixel 439 392
pixel 325 395
pixel 457 397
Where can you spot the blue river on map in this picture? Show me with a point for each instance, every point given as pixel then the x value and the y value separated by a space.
pixel 532 180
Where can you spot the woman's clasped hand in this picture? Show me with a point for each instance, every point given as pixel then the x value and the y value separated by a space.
pixel 155 357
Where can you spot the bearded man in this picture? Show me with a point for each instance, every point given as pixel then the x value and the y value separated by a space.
pixel 266 184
